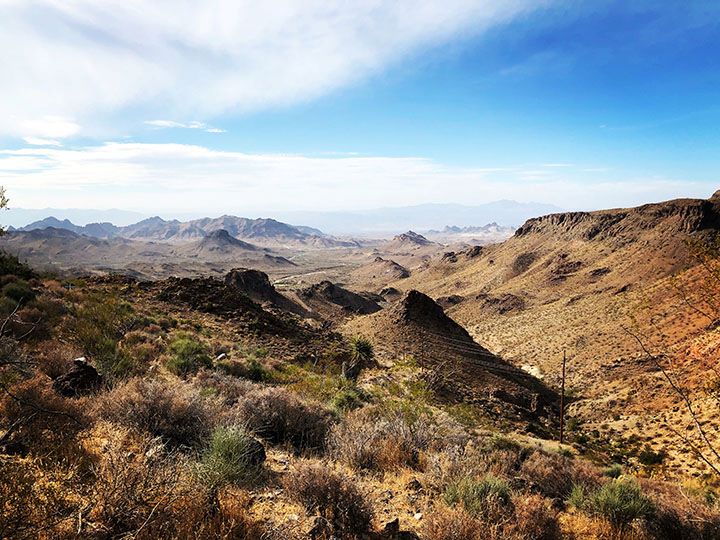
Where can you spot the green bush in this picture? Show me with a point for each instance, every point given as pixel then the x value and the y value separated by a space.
pixel 232 457
pixel 478 496
pixel 11 265
pixel 18 291
pixel 257 372
pixel 348 399
pixel 620 501
pixel 613 471
pixel 100 321
pixel 188 356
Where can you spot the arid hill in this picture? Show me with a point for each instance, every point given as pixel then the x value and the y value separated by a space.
pixel 62 250
pixel 580 282
pixel 416 326
pixel 406 241
pixel 376 274
pixel 221 241
pixel 334 303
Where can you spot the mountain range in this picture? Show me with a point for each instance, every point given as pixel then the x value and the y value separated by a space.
pixel 390 220
pixel 265 232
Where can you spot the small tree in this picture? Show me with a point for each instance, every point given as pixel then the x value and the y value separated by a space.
pixel 3 205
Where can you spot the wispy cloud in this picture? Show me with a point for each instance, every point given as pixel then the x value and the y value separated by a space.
pixel 87 60
pixel 38 141
pixel 162 124
pixel 178 177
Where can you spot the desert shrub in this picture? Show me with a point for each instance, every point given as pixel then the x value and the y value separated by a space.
pixel 530 517
pixel 52 309
pixel 334 496
pixel 172 410
pixel 13 360
pixel 231 520
pixel 453 524
pixel 377 439
pixel 348 399
pixel 34 500
pixel 18 291
pixel 188 356
pixel 257 372
pixel 549 474
pixel 554 475
pixel 233 456
pixel 55 357
pixel 227 388
pixel 280 416
pixel 620 501
pixel 251 369
pixel 486 497
pixel 682 513
pixel 29 324
pixel 100 322
pixel 613 471
pixel 137 482
pixel 141 349
pixel 41 421
pixel 534 519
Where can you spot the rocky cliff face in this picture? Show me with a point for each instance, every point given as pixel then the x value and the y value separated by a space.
pixel 687 216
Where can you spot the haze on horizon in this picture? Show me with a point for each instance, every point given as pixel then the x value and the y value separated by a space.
pixel 229 107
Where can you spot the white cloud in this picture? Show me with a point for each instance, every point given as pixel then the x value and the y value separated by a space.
pixel 177 177
pixel 38 141
pixel 52 127
pixel 216 130
pixel 87 60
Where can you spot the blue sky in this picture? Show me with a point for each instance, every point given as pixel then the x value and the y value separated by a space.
pixel 232 108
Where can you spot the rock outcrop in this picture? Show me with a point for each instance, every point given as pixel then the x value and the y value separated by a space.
pixel 82 379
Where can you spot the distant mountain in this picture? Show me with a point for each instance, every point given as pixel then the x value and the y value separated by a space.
pixel 221 241
pixel 407 240
pixel 486 234
pixel 264 231
pixel 423 217
pixel 19 217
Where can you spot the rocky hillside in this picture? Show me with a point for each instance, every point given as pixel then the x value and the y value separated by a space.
pixel 417 327
pixel 221 241
pixel 582 282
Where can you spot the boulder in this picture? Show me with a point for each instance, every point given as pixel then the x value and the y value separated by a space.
pixel 80 380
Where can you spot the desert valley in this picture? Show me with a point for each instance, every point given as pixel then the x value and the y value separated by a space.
pixel 398 359
pixel 359 270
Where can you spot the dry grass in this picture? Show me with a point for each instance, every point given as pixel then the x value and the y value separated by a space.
pixel 170 409
pixel 379 440
pixel 335 497
pixel 280 416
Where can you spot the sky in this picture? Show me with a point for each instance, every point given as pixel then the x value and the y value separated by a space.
pixel 233 106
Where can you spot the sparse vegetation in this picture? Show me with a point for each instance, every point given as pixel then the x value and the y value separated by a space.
pixel 480 498
pixel 173 444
